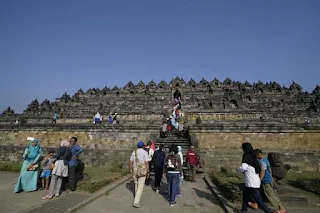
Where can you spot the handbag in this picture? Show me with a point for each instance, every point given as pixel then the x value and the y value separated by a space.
pixel 141 167
pixel 33 168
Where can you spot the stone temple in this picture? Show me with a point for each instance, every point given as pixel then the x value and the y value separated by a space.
pixel 221 116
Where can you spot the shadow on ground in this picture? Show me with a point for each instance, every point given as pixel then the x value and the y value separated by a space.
pixel 208 196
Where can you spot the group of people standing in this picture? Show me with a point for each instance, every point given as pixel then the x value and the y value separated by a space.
pixel 63 163
pixel 112 119
pixel 257 173
pixel 165 165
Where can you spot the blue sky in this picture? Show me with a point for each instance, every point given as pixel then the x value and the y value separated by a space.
pixel 51 47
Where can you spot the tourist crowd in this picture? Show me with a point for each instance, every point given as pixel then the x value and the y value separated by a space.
pixel 165 165
pixel 112 119
pixel 63 164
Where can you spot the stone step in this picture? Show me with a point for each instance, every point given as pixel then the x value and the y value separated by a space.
pixel 166 140
pixel 183 145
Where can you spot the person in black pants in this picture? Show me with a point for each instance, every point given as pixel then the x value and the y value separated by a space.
pixel 158 159
pixel 251 169
pixel 73 163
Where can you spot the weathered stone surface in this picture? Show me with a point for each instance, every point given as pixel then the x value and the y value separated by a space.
pixel 107 147
pixel 293 140
pixel 99 138
pixel 240 101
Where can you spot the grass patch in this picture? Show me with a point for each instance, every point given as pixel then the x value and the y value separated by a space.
pixel 10 167
pixel 229 183
pixel 306 181
pixel 100 177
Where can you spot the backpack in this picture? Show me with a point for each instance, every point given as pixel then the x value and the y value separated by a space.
pixel 192 158
pixel 141 167
pixel 171 162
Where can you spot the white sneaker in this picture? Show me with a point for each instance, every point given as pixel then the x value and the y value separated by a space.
pixel 56 195
pixel 157 191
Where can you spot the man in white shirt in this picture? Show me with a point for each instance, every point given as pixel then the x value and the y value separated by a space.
pixel 142 157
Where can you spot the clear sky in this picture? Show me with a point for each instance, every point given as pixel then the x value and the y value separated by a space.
pixel 48 47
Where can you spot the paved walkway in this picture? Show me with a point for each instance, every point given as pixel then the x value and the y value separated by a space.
pixel 31 202
pixel 12 203
pixel 196 198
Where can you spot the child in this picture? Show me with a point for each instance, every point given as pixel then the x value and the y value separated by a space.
pixel 46 172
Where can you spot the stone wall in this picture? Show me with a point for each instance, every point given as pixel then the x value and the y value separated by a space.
pixel 228 158
pixel 117 138
pixel 218 147
pixel 223 148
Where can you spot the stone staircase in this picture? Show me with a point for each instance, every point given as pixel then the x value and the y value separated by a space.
pixel 173 138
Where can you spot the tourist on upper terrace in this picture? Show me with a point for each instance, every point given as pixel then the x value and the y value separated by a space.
pixel 307 122
pixel 192 159
pixel 173 170
pixel 46 170
pixel 267 183
pixel 118 119
pixel 115 119
pixel 169 126
pixel 163 129
pixel 164 118
pixel 63 156
pixel 54 118
pixel 251 170
pixel 97 118
pixel 184 131
pixel 28 178
pixel 110 119
pixel 181 176
pixel 173 122
pixel 73 163
pixel 139 168
pixel 158 159
pixel 177 95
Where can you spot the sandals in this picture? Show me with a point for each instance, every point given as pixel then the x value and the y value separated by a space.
pixel 253 205
pixel 47 197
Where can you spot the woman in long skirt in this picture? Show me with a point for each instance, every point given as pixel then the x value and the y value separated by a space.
pixel 28 178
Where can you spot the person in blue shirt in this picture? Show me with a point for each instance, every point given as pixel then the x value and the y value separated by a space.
pixel 55 118
pixel 73 163
pixel 110 119
pixel 267 183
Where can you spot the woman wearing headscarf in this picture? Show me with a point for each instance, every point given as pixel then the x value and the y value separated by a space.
pixel 251 170
pixel 28 178
pixel 60 170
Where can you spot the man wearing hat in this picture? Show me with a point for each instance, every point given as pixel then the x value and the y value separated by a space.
pixel 139 156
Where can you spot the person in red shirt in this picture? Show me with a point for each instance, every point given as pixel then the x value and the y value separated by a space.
pixel 193 160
